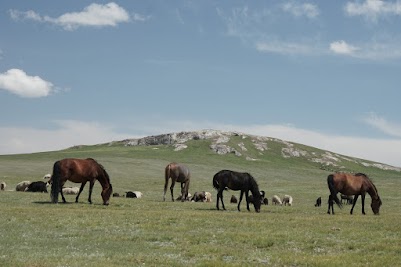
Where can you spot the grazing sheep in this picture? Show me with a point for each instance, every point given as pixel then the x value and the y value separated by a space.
pixel 276 200
pixel 22 186
pixel 38 186
pixel 318 202
pixel 71 190
pixel 3 186
pixel 116 195
pixel 287 199
pixel 233 199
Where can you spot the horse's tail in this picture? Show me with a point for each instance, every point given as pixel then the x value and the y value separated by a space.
pixel 333 192
pixel 55 182
pixel 215 182
pixel 167 174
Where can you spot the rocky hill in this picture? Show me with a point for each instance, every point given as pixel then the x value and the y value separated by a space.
pixel 222 143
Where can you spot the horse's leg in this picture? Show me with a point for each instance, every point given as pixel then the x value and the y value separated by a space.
pixel 353 205
pixel 247 200
pixel 80 191
pixel 61 192
pixel 185 191
pixel 183 197
pixel 172 188
pixel 330 203
pixel 240 199
pixel 220 197
pixel 91 183
pixel 363 203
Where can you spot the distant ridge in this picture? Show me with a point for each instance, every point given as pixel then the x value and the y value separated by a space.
pixel 222 143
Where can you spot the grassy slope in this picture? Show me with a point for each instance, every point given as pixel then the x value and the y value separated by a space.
pixel 148 231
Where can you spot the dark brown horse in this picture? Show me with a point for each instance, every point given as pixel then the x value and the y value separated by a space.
pixel 80 171
pixel 177 173
pixel 237 181
pixel 352 184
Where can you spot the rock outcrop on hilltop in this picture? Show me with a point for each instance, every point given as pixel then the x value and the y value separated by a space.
pixel 221 143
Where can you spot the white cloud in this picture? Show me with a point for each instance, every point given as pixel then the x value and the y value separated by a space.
pixel 341 47
pixel 298 10
pixel 286 48
pixel 68 133
pixel 383 125
pixel 18 82
pixel 372 9
pixel 94 15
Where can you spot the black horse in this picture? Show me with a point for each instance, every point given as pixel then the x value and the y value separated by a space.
pixel 226 179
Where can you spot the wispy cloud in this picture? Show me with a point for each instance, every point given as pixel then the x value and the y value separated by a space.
pixel 383 125
pixel 375 50
pixel 373 9
pixel 18 82
pixel 94 15
pixel 286 48
pixel 301 9
pixel 67 133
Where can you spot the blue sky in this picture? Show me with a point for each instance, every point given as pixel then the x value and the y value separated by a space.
pixel 321 73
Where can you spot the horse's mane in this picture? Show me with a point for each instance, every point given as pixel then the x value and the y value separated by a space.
pixel 370 181
pixel 254 184
pixel 102 168
pixel 361 174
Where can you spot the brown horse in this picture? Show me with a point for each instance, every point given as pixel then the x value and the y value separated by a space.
pixel 352 184
pixel 180 173
pixel 80 171
pixel 237 181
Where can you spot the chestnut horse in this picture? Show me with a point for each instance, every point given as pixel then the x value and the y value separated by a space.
pixel 177 173
pixel 352 184
pixel 237 181
pixel 80 171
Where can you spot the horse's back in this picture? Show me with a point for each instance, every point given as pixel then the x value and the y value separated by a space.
pixel 231 179
pixel 349 184
pixel 178 171
pixel 78 170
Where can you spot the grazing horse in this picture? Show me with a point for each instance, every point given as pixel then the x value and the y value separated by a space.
pixel 350 184
pixel 80 171
pixel 178 173
pixel 237 181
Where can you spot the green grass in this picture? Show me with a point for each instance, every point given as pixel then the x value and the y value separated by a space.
pixel 150 232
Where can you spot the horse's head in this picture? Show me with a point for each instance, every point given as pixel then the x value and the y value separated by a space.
pixel 106 193
pixel 257 201
pixel 376 203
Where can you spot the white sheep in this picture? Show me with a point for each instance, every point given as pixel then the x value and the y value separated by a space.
pixel 287 199
pixel 22 186
pixel 276 200
pixel 71 190
pixel 208 197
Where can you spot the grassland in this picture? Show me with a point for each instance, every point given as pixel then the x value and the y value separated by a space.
pixel 150 232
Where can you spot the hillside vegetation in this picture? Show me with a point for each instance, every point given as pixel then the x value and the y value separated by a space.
pixel 148 231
